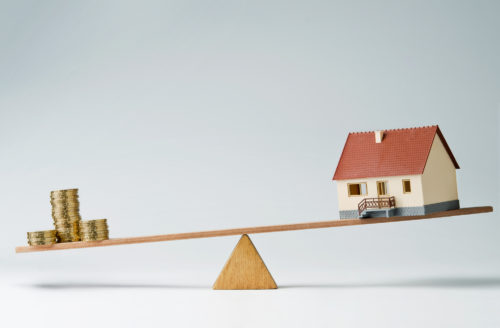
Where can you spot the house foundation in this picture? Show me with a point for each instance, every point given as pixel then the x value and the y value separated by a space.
pixel 403 211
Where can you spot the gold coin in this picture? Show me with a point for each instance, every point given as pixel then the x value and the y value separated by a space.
pixel 41 233
pixel 63 193
pixel 87 232
pixel 86 238
pixel 98 221
pixel 68 234
pixel 64 198
pixel 67 240
pixel 90 234
pixel 67 223
pixel 66 219
pixel 93 231
pixel 43 239
pixel 32 243
pixel 61 228
pixel 41 236
pixel 95 239
pixel 66 216
pixel 86 228
pixel 57 193
pixel 101 233
pixel 67 229
pixel 64 235
pixel 93 224
pixel 65 208
pixel 42 242
pixel 64 201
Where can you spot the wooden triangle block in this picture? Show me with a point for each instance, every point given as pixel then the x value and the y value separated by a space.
pixel 245 269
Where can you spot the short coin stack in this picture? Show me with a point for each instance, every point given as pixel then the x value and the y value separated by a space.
pixel 66 214
pixel 46 237
pixel 94 230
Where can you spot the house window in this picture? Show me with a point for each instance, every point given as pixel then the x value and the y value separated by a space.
pixel 381 188
pixel 406 186
pixel 356 189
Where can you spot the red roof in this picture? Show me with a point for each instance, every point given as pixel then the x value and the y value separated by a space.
pixel 401 152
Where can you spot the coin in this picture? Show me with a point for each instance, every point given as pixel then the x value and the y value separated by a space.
pixel 68 223
pixel 45 237
pixel 94 230
pixel 42 233
pixel 66 214
pixel 57 193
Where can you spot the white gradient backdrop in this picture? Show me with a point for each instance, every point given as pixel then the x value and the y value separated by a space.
pixel 176 116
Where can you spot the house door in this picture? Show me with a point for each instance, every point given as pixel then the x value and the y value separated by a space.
pixel 381 188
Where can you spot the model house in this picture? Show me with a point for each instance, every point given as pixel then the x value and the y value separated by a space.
pixel 397 172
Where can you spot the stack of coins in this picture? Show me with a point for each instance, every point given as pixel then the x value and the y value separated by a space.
pixel 66 214
pixel 46 237
pixel 94 230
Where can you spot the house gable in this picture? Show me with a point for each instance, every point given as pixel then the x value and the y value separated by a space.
pixel 439 180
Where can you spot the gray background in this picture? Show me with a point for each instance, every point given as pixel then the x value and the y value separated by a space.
pixel 176 116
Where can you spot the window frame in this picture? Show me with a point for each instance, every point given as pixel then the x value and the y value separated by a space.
pixel 360 189
pixel 404 188
pixel 385 187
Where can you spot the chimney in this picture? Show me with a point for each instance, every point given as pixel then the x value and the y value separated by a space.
pixel 379 135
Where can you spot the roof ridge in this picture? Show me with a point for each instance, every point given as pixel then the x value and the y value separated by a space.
pixel 398 129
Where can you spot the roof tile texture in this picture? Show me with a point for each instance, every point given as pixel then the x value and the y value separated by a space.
pixel 401 152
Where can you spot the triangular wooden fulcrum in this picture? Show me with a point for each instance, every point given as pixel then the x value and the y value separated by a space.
pixel 245 269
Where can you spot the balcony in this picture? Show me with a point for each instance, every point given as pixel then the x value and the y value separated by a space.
pixel 375 203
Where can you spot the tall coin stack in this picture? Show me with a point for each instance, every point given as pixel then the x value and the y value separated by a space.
pixel 66 214
pixel 46 237
pixel 94 230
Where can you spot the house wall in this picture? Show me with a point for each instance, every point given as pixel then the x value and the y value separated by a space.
pixel 394 188
pixel 439 181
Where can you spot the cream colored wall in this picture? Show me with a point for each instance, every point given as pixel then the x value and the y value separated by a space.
pixel 394 188
pixel 439 180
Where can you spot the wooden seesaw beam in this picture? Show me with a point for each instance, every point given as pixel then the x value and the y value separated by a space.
pixel 251 230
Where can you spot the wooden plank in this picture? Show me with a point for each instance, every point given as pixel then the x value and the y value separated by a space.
pixel 251 230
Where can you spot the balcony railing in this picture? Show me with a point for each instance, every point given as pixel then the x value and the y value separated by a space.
pixel 379 202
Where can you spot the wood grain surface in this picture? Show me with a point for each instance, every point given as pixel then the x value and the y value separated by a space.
pixel 242 231
pixel 245 269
